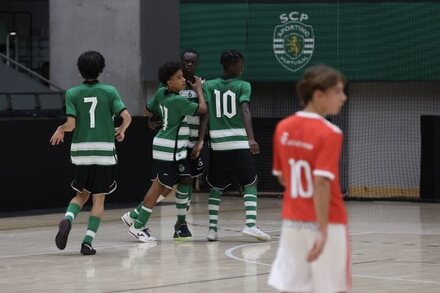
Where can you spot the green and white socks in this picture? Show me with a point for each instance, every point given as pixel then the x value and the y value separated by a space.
pixel 250 204
pixel 72 211
pixel 92 228
pixel 213 208
pixel 182 194
pixel 142 218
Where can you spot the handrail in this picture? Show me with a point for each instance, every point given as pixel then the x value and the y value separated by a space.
pixel 31 72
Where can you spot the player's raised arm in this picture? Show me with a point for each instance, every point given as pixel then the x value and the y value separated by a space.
pixel 58 135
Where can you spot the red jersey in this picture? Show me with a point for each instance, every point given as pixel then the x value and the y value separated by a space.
pixel 307 145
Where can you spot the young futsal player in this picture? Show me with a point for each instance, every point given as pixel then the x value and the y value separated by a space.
pixel 170 143
pixel 232 142
pixel 313 254
pixel 90 108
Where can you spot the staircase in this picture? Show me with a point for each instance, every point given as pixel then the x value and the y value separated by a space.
pixel 25 93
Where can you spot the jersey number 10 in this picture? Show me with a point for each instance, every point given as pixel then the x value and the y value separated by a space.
pixel 218 105
pixel 94 102
pixel 297 170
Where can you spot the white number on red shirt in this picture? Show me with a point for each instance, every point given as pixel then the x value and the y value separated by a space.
pixel 298 170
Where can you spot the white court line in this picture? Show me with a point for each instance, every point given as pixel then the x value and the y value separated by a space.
pixel 395 279
pixel 229 253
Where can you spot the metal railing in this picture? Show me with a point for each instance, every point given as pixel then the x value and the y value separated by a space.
pixel 31 72
pixel 19 104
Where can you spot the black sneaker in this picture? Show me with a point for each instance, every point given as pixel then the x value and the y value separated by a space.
pixel 181 231
pixel 87 249
pixel 63 233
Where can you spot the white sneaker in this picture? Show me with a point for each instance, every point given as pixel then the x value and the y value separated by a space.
pixel 255 232
pixel 212 235
pixel 142 235
pixel 127 219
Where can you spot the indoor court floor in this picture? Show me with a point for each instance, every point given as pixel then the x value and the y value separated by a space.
pixel 395 248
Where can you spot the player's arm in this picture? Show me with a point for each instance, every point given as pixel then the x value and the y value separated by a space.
pixel 148 113
pixel 198 88
pixel 325 170
pixel 247 120
pixel 276 162
pixel 281 180
pixel 321 200
pixel 126 121
pixel 203 128
pixel 58 135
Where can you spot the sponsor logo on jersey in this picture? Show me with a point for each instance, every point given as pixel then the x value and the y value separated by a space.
pixel 286 141
pixel 293 41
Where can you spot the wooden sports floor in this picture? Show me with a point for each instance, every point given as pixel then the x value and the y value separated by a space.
pixel 395 248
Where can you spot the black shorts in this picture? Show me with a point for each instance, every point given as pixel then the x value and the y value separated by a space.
pixel 168 172
pixel 193 168
pixel 95 179
pixel 229 167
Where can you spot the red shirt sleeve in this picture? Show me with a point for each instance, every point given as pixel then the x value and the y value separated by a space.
pixel 327 159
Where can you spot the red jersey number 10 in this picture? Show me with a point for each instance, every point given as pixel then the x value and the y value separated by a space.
pixel 298 170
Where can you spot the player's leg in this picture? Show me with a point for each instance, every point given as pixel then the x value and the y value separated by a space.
pixel 218 179
pixel 213 209
pixel 137 230
pixel 101 183
pixel 331 271
pixel 75 205
pixel 166 177
pixel 183 189
pixel 291 272
pixel 65 225
pixel 93 225
pixel 197 169
pixel 129 217
pixel 246 172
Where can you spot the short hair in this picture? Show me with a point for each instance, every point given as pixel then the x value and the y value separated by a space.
pixel 230 57
pixel 189 51
pixel 167 70
pixel 90 64
pixel 317 77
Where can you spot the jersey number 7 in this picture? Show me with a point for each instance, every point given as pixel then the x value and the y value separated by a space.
pixel 94 102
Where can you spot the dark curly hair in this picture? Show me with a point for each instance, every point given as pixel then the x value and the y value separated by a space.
pixel 189 51
pixel 230 57
pixel 167 70
pixel 90 64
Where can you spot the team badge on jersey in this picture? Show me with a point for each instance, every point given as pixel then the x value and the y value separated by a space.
pixel 293 41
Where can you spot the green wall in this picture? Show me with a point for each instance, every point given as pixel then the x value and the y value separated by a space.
pixel 388 41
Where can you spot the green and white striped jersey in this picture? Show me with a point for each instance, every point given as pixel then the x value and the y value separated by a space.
pixel 171 141
pixel 226 125
pixel 193 121
pixel 93 104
